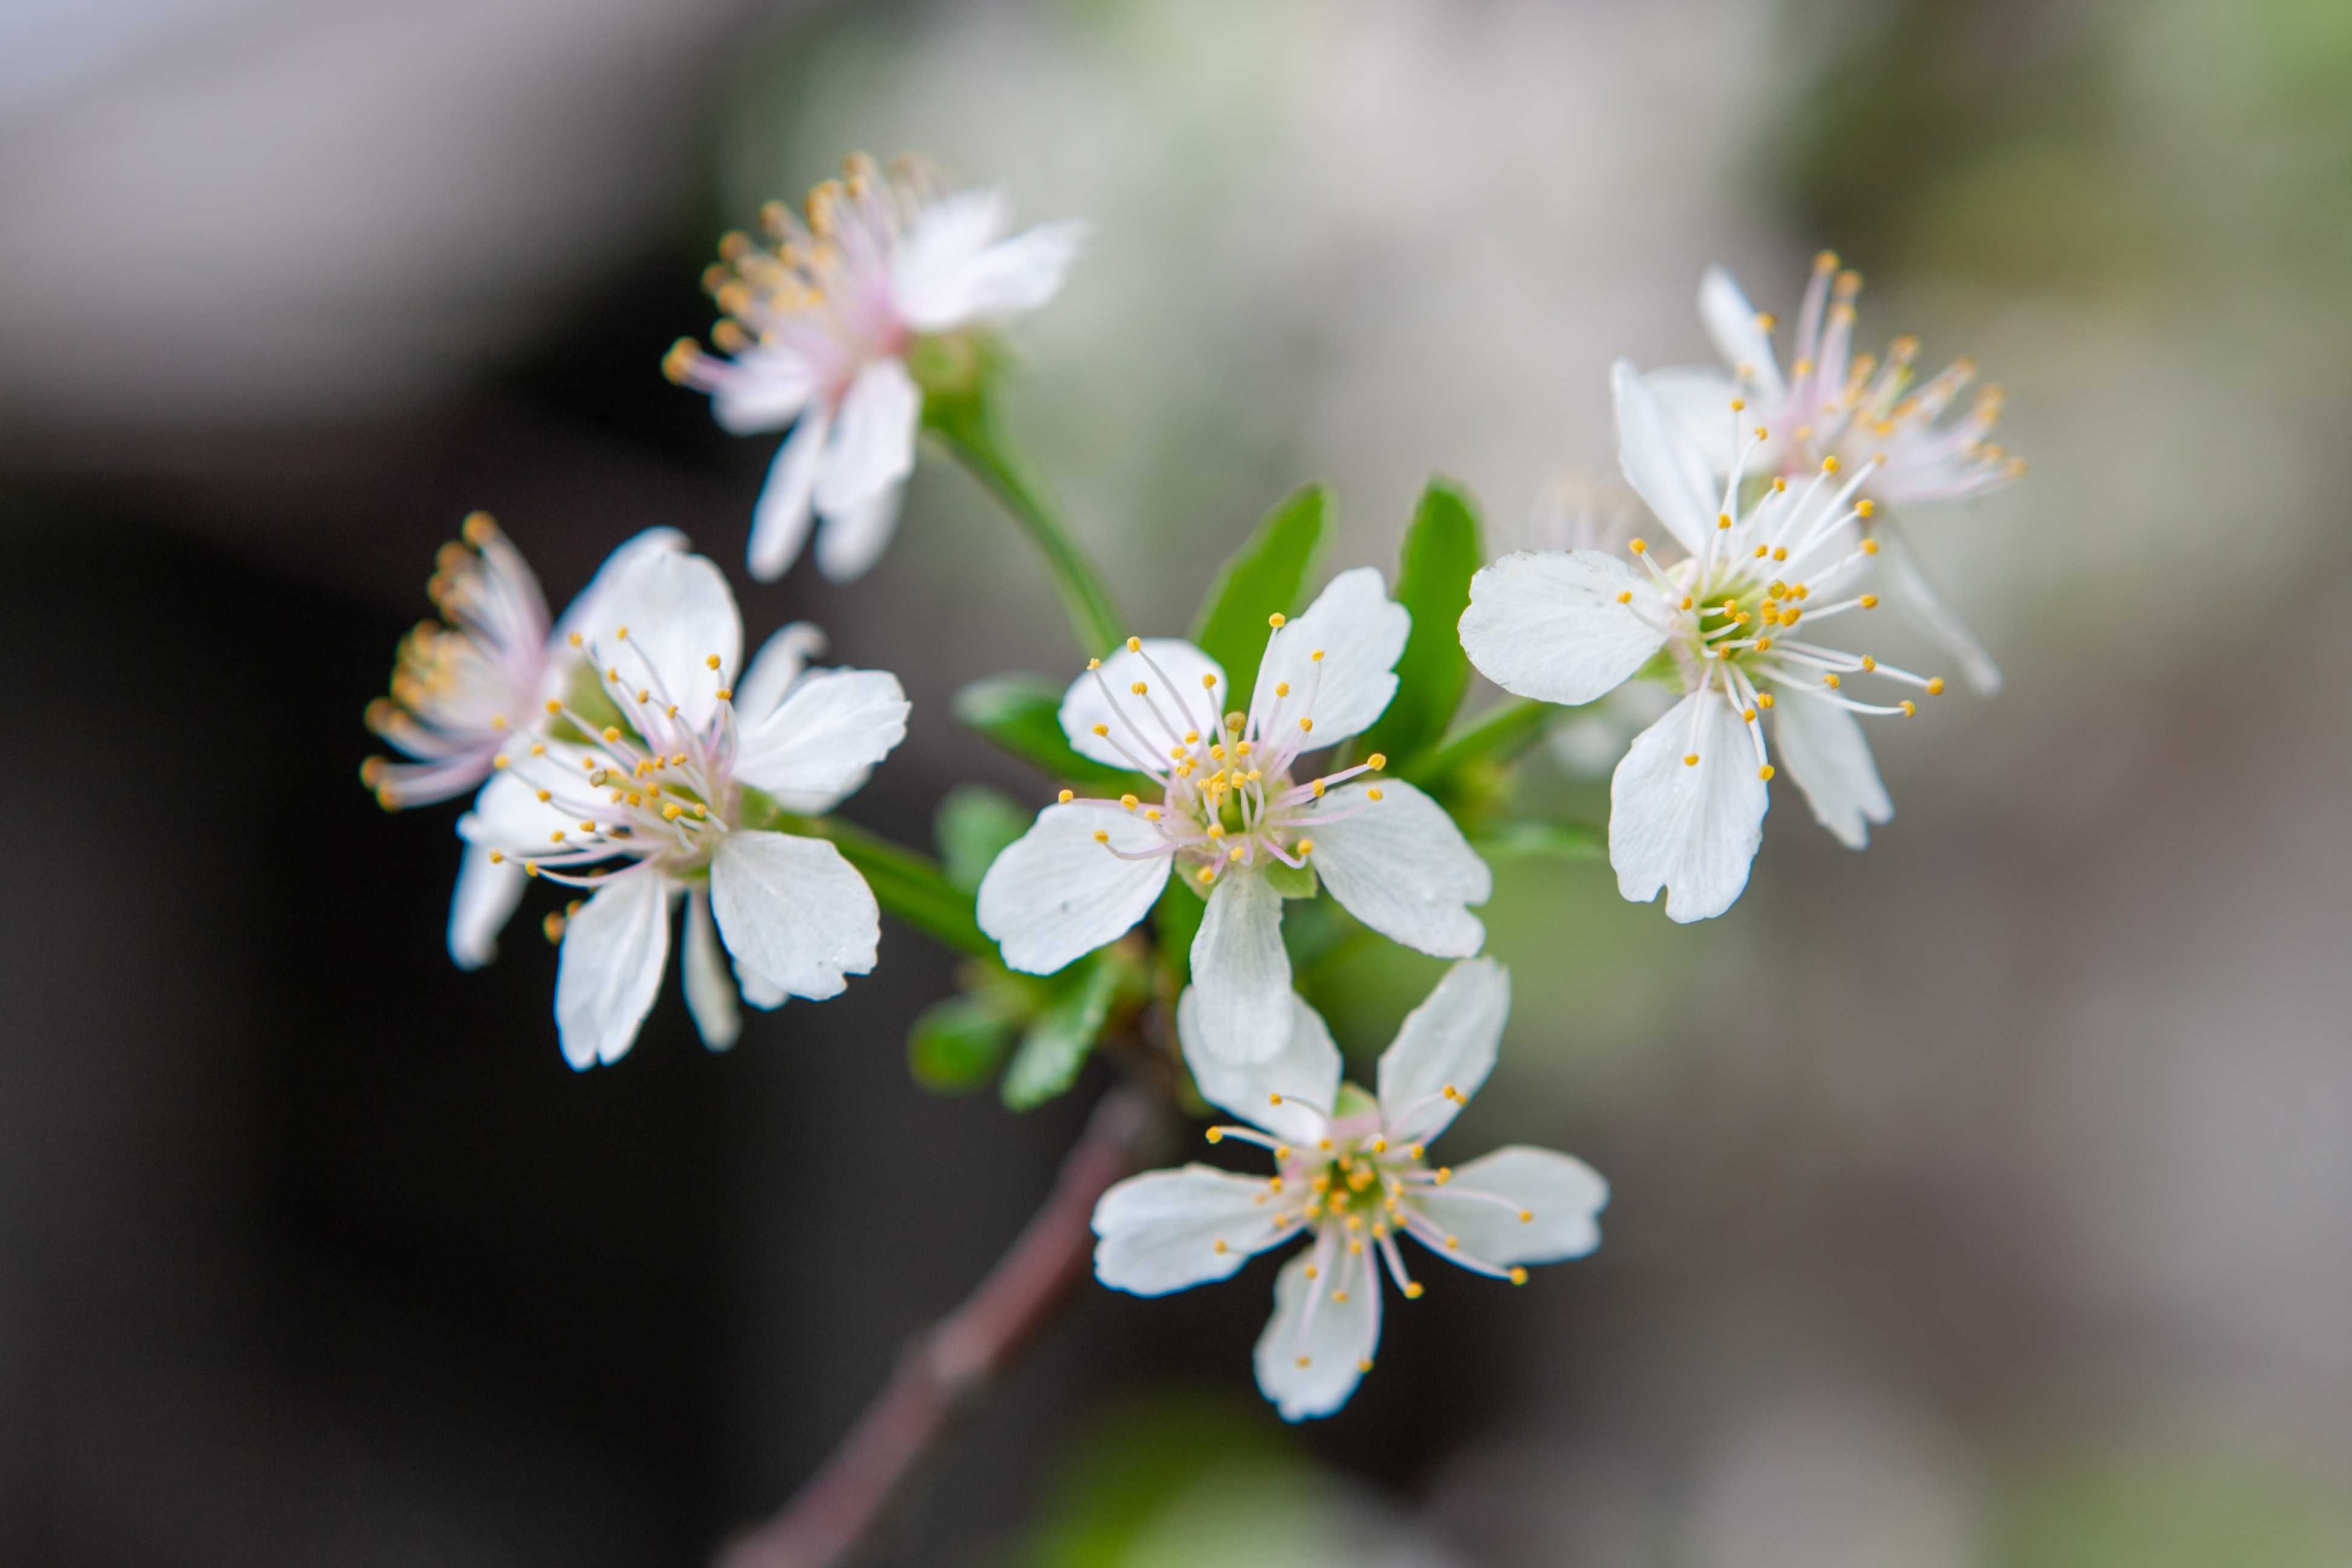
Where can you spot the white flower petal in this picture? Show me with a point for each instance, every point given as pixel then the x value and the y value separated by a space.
pixel 780 518
pixel 1690 829
pixel 1241 973
pixel 1561 1197
pixel 1361 633
pixel 485 901
pixel 507 813
pixel 1400 866
pixel 756 990
pixel 678 611
pixel 709 993
pixel 873 442
pixel 587 613
pixel 1169 1230
pixel 1917 598
pixel 1190 706
pixel 765 388
pixel 855 536
pixel 1055 895
pixel 1665 471
pixel 1548 625
pixel 780 662
pixel 1697 401
pixel 614 950
pixel 1012 275
pixel 794 912
pixel 1740 336
pixel 1449 1042
pixel 936 254
pixel 1310 1361
pixel 1304 1076
pixel 826 737
pixel 1821 746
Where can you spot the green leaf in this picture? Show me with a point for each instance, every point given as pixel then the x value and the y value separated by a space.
pixel 1495 739
pixel 1290 881
pixel 955 1044
pixel 1442 549
pixel 1177 920
pixel 1266 577
pixel 1543 840
pixel 1056 1044
pixel 973 825
pixel 1021 714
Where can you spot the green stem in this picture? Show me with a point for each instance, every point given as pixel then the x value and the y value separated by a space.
pixel 967 426
pixel 1498 737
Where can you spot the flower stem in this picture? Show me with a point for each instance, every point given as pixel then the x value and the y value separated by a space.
pixel 951 1363
pixel 967 426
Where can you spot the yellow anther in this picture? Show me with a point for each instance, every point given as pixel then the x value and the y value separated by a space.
pixel 1830 464
pixel 1140 688
pixel 1303 849
pixel 725 694
pixel 1766 321
pixel 612 733
pixel 1765 772
pixel 1319 787
pixel 1208 874
pixel 1452 1093
pixel 1412 1290
pixel 545 795
pixel 1305 1360
pixel 1066 796
pixel 1376 761
pixel 1748 715
pixel 556 836
pixel 552 926
pixel 1869 601
pixel 1687 600
pixel 1151 813
pixel 1209 682
pixel 1282 1150
pixel 621 634
pixel 1626 595
pixel 1093 664
pixel 1518 1274
pixel 1372 794
pixel 1216 830
pixel 672 812
pixel 478 529
pixel 498 856
pixel 1316 658
pixel 1414 1150
pixel 1235 721
pixel 1443 1175
pixel 1220 1245
pixel 1722 520
pixel 1826 261
pixel 1780 552
pixel 1129 802
pixel 1306 724
pixel 1526 1217
pixel 1135 645
pixel 1831 680
pixel 1101 729
pixel 500 761
pixel 1869 663
pixel 1761 551
pixel 1236 853
pixel 1102 836
pixel 1779 487
pixel 1935 687
pixel 1910 709
pixel 1870 547
pixel 1637 546
pixel 1738 404
pixel 1364 1365
pixel 1691 761
pixel 1340 1296
pixel 1281 688
pixel 1864 508
pixel 1313 1272
pixel 1453 1243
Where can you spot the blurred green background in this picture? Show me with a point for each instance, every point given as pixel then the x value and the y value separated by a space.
pixel 1980 1199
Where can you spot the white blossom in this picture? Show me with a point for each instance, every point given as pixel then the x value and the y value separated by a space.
pixel 819 329
pixel 461 687
pixel 1835 403
pixel 642 813
pixel 1238 814
pixel 1353 1174
pixel 1730 627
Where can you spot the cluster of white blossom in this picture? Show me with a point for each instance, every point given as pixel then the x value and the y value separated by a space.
pixel 630 752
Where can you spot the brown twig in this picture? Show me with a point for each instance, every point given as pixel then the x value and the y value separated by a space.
pixel 949 1364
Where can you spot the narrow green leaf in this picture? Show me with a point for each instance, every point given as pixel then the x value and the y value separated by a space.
pixel 1496 738
pixel 1442 548
pixel 1543 840
pixel 955 1045
pixel 1021 714
pixel 973 825
pixel 1265 577
pixel 1056 1044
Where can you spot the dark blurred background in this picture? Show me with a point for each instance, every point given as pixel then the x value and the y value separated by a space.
pixel 1980 1199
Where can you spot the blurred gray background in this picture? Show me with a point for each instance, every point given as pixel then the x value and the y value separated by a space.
pixel 1980 1199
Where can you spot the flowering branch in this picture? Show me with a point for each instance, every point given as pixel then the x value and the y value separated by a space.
pixel 951 1363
